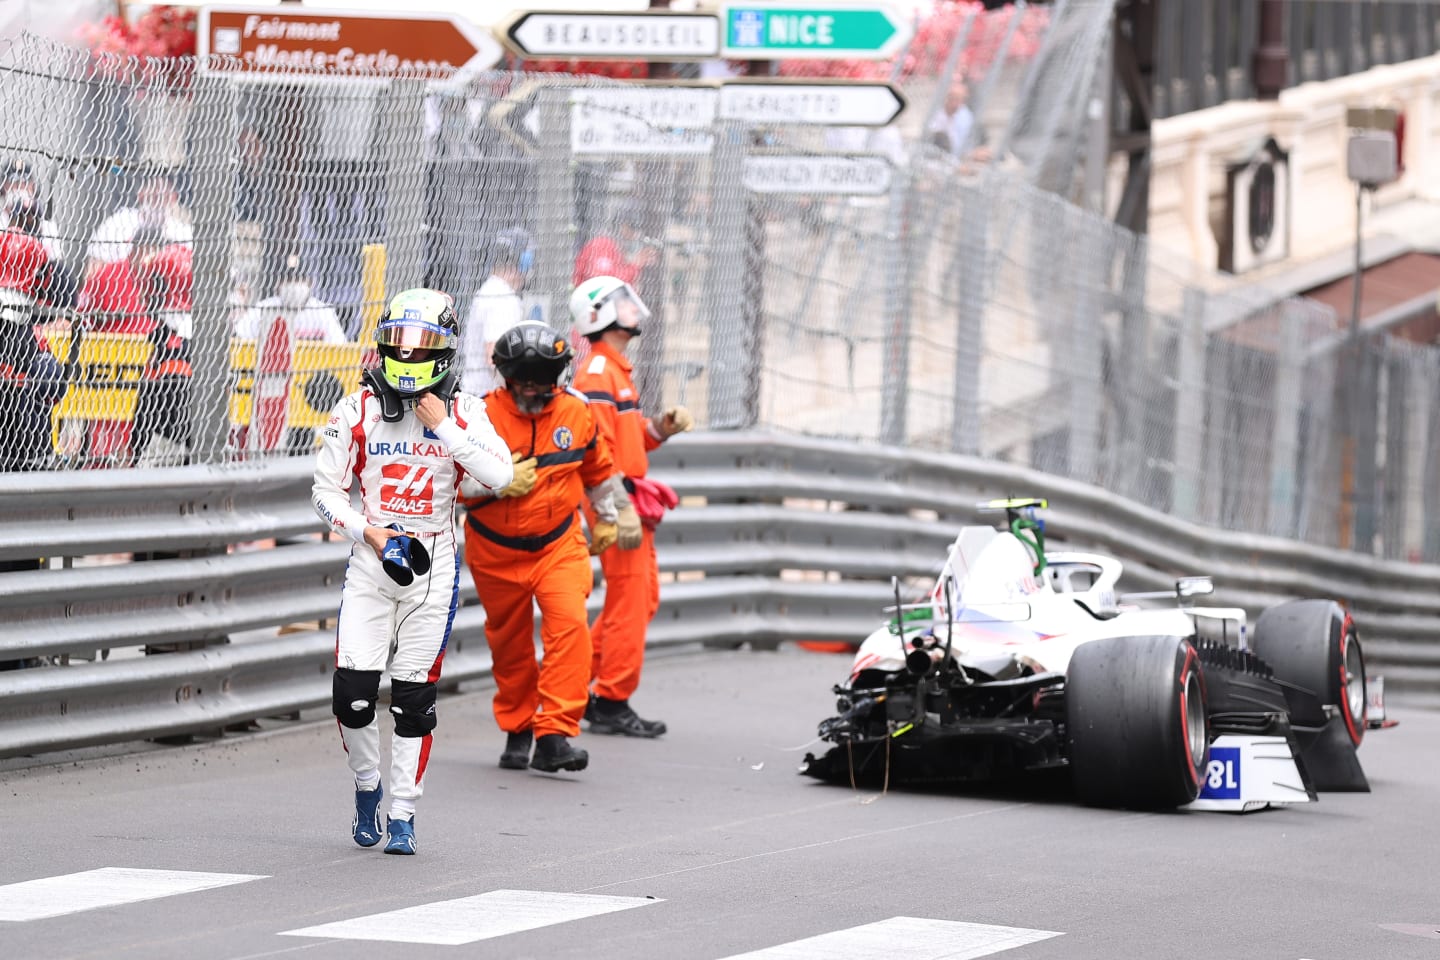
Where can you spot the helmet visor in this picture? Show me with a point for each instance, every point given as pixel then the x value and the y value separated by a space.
pixel 623 307
pixel 414 334
pixel 533 370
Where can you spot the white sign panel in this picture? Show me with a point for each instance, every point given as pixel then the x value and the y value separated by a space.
pixel 642 120
pixel 599 35
pixel 847 104
pixel 855 175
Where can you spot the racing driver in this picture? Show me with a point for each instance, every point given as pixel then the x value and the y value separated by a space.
pixel 410 438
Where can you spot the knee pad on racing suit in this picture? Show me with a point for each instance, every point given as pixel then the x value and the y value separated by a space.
pixel 413 705
pixel 354 693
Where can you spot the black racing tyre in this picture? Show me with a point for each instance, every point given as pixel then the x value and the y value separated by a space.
pixel 1135 722
pixel 1312 645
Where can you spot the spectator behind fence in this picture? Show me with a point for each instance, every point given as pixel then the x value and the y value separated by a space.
pixel 129 296
pixel 54 284
pixel 955 128
pixel 162 408
pixel 31 379
pixel 156 211
pixel 623 256
pixel 113 298
pixel 308 317
pixel 20 190
pixel 496 308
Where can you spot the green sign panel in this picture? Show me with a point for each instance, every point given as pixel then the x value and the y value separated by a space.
pixel 762 31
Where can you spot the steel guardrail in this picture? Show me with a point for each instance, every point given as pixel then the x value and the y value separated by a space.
pixel 778 538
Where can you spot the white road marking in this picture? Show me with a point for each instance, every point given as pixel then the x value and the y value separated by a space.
pixel 453 922
pixel 904 938
pixel 105 887
pixel 1430 931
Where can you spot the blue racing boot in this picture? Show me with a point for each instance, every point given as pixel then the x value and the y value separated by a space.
pixel 402 836
pixel 366 825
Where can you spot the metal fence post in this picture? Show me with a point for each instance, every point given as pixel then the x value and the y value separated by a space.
pixel 1091 245
pixel 724 280
pixel 1367 474
pixel 1189 410
pixel 1402 449
pixel 1429 397
pixel 1285 428
pixel 972 263
pixel 214 237
pixel 895 372
pixel 403 154
pixel 555 219
pixel 1135 392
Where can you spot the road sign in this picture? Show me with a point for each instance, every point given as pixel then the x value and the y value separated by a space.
pixel 643 120
pixel 344 44
pixel 765 31
pixel 855 175
pixel 839 104
pixel 618 36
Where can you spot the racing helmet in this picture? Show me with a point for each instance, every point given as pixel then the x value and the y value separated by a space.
pixel 417 338
pixel 532 353
pixel 603 302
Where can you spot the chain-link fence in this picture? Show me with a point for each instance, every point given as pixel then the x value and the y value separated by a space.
pixel 162 220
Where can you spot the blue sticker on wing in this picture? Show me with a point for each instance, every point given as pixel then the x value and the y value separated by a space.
pixel 1222 776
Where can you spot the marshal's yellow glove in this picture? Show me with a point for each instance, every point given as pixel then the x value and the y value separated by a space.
pixel 524 480
pixel 629 533
pixel 602 537
pixel 676 420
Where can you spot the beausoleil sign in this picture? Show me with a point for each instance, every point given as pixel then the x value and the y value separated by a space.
pixel 627 36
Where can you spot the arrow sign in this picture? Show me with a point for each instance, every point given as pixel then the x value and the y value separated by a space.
pixel 822 30
pixel 858 175
pixel 642 120
pixel 615 36
pixel 839 104
pixel 348 44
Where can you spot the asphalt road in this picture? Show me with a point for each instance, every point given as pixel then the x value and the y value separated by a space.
pixel 703 845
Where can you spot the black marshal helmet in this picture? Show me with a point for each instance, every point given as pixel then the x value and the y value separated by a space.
pixel 532 353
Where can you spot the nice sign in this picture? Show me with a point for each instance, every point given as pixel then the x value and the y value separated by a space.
pixel 764 31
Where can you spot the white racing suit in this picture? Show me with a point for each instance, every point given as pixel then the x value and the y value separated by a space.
pixel 408 475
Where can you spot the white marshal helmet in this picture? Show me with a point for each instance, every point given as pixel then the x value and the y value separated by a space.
pixel 602 302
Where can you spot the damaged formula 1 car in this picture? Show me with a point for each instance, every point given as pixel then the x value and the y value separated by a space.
pixel 1021 659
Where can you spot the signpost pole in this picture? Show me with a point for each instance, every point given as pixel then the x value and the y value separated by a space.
pixel 725 282
pixel 895 373
pixel 656 171
pixel 556 194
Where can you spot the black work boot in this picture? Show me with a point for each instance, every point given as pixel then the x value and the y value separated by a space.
pixel 553 752
pixel 517 750
pixel 618 718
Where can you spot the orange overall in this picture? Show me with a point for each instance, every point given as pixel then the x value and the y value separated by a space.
pixel 632 577
pixel 532 548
